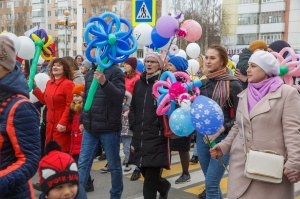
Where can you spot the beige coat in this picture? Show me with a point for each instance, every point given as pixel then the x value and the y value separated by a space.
pixel 273 124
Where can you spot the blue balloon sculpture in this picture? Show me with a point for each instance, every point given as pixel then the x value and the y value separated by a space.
pixel 180 122
pixel 206 115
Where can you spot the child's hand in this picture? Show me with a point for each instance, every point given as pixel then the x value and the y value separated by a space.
pixel 81 128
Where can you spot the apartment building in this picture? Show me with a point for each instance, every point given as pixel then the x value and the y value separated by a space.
pixel 268 20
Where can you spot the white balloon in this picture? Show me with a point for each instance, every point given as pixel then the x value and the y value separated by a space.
pixel 193 67
pixel 15 39
pixel 235 58
pixel 142 33
pixel 174 49
pixel 193 50
pixel 181 53
pixel 41 60
pixel 27 48
pixel 41 80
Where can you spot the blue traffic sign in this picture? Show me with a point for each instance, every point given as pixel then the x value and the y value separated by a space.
pixel 143 11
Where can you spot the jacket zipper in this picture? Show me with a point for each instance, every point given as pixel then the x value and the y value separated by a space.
pixel 143 125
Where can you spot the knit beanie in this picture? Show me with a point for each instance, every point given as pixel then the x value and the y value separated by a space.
pixel 56 168
pixel 180 63
pixel 78 89
pixel 7 53
pixel 132 61
pixel 266 61
pixel 278 45
pixel 156 56
pixel 87 64
pixel 258 44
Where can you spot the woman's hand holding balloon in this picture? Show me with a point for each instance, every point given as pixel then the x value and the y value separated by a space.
pixel 216 152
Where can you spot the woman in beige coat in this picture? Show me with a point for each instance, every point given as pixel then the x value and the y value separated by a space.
pixel 271 120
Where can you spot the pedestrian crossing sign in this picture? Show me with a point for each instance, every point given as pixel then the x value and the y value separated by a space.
pixel 143 11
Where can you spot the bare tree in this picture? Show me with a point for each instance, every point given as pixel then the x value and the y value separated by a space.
pixel 22 23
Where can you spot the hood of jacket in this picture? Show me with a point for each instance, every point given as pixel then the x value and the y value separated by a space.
pixel 13 83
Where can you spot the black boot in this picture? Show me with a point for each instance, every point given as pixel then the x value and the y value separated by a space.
pixel 89 187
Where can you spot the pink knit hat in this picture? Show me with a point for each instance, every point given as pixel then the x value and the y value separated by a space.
pixel 156 56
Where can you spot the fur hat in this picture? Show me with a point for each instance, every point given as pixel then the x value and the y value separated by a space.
pixel 258 44
pixel 180 63
pixel 87 64
pixel 56 168
pixel 278 45
pixel 132 61
pixel 78 89
pixel 266 61
pixel 7 53
pixel 156 56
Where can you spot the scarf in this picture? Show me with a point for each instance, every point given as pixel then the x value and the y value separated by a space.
pixel 152 75
pixel 256 91
pixel 221 91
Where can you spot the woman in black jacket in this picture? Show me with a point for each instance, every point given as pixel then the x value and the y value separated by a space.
pixel 222 88
pixel 149 148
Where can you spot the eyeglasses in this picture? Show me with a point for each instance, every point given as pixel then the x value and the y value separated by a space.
pixel 150 61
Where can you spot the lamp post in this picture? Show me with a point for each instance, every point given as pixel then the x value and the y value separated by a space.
pixel 68 25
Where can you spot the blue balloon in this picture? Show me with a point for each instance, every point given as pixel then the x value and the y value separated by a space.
pixel 140 66
pixel 206 115
pixel 180 122
pixel 157 40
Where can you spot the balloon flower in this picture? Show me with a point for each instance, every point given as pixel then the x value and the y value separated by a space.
pixel 112 45
pixel 168 91
pixel 289 66
pixel 42 43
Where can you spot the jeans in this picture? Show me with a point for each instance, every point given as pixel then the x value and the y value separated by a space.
pixel 213 169
pixel 195 153
pixel 111 145
pixel 126 140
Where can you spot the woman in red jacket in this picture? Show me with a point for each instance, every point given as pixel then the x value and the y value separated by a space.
pixel 58 97
pixel 131 74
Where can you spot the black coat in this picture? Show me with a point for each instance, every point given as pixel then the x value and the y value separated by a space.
pixel 149 146
pixel 242 65
pixel 106 111
pixel 207 89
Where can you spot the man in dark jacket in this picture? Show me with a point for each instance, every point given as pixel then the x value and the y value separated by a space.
pixel 242 65
pixel 102 124
pixel 19 128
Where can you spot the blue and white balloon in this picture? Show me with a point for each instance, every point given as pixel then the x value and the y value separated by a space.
pixel 206 115
pixel 180 122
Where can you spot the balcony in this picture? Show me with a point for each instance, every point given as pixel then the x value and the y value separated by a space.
pixel 248 8
pixel 246 29
pixel 272 27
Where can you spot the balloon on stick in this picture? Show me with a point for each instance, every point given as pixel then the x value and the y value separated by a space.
pixel 42 43
pixel 111 45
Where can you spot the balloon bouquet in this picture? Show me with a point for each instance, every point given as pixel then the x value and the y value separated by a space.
pixel 112 45
pixel 289 66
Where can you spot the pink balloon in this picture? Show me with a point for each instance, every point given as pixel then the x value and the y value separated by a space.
pixel 193 28
pixel 184 75
pixel 164 105
pixel 166 26
pixel 157 84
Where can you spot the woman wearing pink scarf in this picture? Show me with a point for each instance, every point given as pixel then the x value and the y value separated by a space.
pixel 271 121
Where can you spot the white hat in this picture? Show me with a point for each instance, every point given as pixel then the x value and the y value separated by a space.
pixel 266 61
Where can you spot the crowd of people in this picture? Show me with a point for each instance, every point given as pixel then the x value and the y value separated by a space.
pixel 60 141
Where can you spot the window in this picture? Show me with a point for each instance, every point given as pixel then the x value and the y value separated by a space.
pixel 75 39
pixel 103 9
pixel 75 11
pixel 49 1
pixel 83 24
pixel 56 26
pixel 49 26
pixel 248 19
pixel 37 13
pixel 267 1
pixel 83 10
pixel 56 13
pixel 8 4
pixel 1 5
pixel 272 17
pixel 246 38
pixel 74 53
pixel 93 10
pixel 17 16
pixel 270 37
pixel 140 53
pixel 16 4
pixel 248 1
pixel 49 13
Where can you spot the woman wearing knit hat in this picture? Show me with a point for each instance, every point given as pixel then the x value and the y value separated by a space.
pixel 86 65
pixel 277 46
pixel 58 175
pixel 131 74
pixel 268 118
pixel 222 88
pixel 182 144
pixel 149 146
pixel 242 65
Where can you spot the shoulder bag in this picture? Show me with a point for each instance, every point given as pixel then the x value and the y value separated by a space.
pixel 263 165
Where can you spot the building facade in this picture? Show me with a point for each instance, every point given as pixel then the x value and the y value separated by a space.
pixel 267 20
